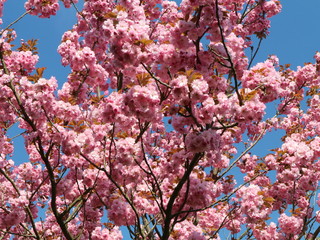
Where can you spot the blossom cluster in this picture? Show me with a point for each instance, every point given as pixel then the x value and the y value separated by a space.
pixel 146 129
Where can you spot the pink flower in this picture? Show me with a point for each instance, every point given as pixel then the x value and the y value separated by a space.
pixel 201 142
pixel 180 87
pixel 22 61
pixel 41 8
pixel 143 102
pixel 267 233
pixel 265 79
pixel 105 234
pixel 121 213
pixel 290 225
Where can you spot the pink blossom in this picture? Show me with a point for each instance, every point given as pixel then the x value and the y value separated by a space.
pixel 290 225
pixel 201 142
pixel 44 10
pixel 143 101
pixel 156 126
pixel 268 233
pixel 121 213
pixel 105 234
pixel 24 61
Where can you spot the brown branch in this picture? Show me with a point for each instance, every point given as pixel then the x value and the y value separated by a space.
pixel 27 209
pixel 160 205
pixel 197 44
pixel 167 221
pixel 228 54
pixel 315 234
pixel 255 53
pixel 143 129
pixel 225 198
pixel 121 191
pixel 154 77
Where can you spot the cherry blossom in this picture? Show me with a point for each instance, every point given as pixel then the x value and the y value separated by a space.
pixel 155 128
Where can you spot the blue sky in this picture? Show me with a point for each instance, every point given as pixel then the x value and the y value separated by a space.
pixel 295 33
pixel 294 38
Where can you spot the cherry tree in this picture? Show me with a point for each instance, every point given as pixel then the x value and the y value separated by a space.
pixel 155 124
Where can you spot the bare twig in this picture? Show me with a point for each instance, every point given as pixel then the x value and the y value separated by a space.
pixel 154 77
pixel 244 152
pixel 255 52
pixel 228 54
pixel 14 22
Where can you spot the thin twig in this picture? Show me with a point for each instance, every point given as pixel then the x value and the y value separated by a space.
pixel 14 22
pixel 228 54
pixel 126 197
pixel 255 53
pixel 154 77
pixel 244 152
